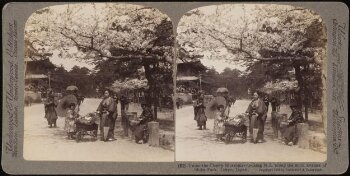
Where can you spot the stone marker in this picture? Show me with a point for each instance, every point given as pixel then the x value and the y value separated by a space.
pixel 303 133
pixel 153 129
pixel 130 116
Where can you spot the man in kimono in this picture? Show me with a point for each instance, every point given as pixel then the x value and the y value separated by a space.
pixel 106 110
pixel 50 109
pixel 141 130
pixel 290 131
pixel 200 117
pixel 257 108
pixel 113 119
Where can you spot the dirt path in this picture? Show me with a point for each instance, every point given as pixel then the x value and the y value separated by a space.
pixel 200 145
pixel 43 143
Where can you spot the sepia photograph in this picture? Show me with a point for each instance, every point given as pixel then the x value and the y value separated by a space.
pixel 250 84
pixel 175 88
pixel 99 84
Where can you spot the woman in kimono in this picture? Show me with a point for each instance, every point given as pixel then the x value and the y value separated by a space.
pixel 257 112
pixel 106 110
pixel 220 117
pixel 200 117
pixel 71 117
pixel 290 131
pixel 50 110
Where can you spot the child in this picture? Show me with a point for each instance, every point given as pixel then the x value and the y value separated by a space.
pixel 219 128
pixel 70 120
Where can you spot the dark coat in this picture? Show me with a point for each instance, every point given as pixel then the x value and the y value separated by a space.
pixel 200 112
pixel 260 107
pixel 107 104
pixel 295 117
pixel 50 110
pixel 146 116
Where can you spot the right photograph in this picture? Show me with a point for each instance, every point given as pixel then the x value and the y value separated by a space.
pixel 250 84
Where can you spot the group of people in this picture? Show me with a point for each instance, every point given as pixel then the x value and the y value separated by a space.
pixel 259 108
pixel 256 114
pixel 199 109
pixel 107 112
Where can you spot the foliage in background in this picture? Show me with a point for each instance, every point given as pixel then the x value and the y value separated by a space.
pixel 269 41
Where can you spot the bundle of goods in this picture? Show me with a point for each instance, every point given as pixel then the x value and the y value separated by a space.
pixel 238 120
pixel 87 119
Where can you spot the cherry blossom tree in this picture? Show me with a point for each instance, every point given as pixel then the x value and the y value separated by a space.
pixel 122 37
pixel 283 38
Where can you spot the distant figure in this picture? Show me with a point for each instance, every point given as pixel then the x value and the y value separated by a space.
pixel 178 103
pixel 200 117
pixel 28 100
pixel 290 131
pixel 194 109
pixel 124 102
pixel 275 104
pixel 50 109
pixel 229 102
pixel 82 97
pixel 266 101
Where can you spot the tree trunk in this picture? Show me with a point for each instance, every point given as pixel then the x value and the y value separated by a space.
pixel 151 83
pixel 155 103
pixel 300 84
pixel 306 97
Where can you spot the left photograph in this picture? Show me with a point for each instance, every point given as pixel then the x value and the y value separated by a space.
pixel 99 84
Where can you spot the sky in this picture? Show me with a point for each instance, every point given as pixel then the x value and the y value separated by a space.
pixel 217 60
pixel 221 65
pixel 68 64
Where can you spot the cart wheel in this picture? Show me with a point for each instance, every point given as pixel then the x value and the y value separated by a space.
pixel 227 138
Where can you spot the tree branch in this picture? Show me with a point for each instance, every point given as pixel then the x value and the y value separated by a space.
pixel 250 56
pixel 230 49
pixel 286 12
pixel 102 54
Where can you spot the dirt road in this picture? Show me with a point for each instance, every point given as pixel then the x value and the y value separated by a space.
pixel 200 145
pixel 44 143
